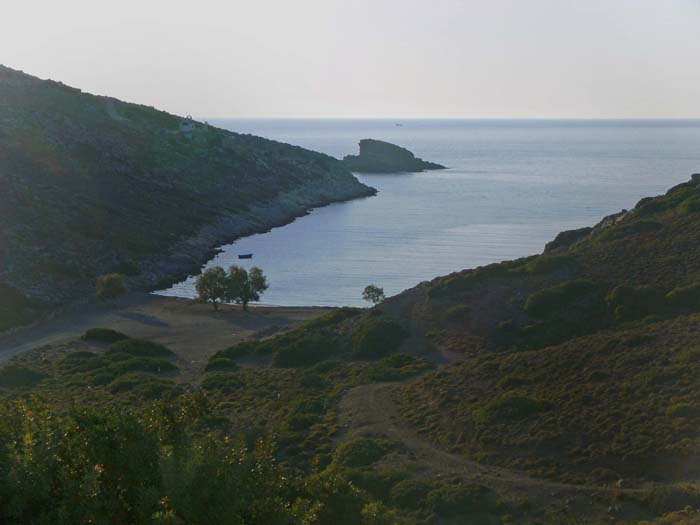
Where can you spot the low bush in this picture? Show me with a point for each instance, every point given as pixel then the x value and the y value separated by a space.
pixel 681 410
pixel 302 349
pixel 625 230
pixel 110 286
pixel 141 348
pixel 567 238
pixel 689 206
pixel 634 302
pixel 16 376
pixel 685 297
pixel 104 335
pixel 376 337
pixel 142 384
pixel 457 314
pixel 545 264
pixel 220 364
pixel 226 383
pixel 141 364
pixel 511 406
pixel 397 367
pixel 361 451
pixel 550 300
pixel 460 499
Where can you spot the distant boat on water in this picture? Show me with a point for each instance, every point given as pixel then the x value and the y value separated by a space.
pixel 245 256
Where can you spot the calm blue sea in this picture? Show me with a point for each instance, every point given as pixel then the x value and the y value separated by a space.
pixel 511 186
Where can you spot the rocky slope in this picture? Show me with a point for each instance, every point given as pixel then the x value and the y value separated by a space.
pixel 377 156
pixel 576 365
pixel 90 185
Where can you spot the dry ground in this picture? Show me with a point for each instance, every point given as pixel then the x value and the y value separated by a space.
pixel 192 330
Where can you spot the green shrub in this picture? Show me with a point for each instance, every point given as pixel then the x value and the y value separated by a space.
pixel 457 314
pixel 681 410
pixel 397 367
pixel 545 264
pixel 240 350
pixel 361 451
pixel 460 499
pixel 377 337
pixel 226 383
pixel 142 364
pixel 685 297
pixel 410 493
pixel 331 319
pixel 110 286
pixel 220 364
pixel 144 385
pixel 302 349
pixel 104 335
pixel 567 238
pixel 16 376
pixel 625 230
pixel 511 406
pixel 689 206
pixel 140 348
pixel 550 300
pixel 634 302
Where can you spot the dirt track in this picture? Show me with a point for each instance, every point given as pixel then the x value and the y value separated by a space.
pixel 371 410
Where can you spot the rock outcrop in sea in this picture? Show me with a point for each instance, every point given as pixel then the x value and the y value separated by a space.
pixel 377 156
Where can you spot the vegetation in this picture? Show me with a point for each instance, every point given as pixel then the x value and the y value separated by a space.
pixel 239 285
pixel 110 286
pixel 245 286
pixel 134 191
pixel 554 389
pixel 212 286
pixel 373 294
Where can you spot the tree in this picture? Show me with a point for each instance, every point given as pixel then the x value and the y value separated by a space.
pixel 110 285
pixel 244 287
pixel 373 294
pixel 212 286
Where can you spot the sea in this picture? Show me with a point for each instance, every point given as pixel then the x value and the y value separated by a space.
pixel 510 187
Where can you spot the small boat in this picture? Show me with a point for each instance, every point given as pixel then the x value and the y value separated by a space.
pixel 245 256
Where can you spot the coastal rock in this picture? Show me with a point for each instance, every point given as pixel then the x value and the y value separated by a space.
pixel 377 156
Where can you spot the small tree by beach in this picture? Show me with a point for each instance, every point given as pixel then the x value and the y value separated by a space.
pixel 373 294
pixel 110 285
pixel 212 286
pixel 245 286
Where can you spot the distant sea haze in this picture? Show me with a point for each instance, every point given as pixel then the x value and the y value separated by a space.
pixel 511 187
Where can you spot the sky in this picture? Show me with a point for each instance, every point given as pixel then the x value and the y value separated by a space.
pixel 368 58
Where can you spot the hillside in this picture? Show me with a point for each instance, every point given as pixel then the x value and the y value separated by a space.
pixel 554 389
pixel 91 185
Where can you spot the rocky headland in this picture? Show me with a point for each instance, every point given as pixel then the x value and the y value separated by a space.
pixel 91 185
pixel 377 156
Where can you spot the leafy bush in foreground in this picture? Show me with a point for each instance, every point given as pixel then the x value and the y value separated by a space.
pixel 116 466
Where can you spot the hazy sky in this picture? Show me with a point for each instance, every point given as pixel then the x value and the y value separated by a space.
pixel 369 58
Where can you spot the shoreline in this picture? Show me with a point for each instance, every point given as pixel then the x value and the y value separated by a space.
pixel 189 255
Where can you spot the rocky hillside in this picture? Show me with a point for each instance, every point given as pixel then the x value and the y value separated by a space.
pixel 577 365
pixel 91 185
pixel 377 156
